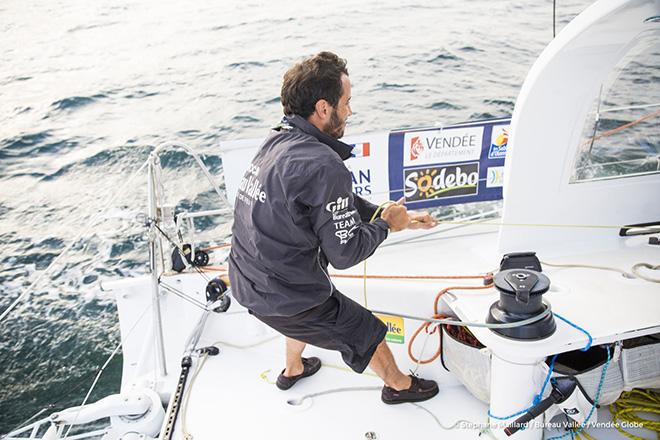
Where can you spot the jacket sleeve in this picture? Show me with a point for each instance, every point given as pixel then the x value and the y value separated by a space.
pixel 365 208
pixel 344 238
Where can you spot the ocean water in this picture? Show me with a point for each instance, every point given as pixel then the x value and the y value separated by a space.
pixel 86 88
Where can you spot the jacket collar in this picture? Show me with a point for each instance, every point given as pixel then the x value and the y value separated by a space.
pixel 339 147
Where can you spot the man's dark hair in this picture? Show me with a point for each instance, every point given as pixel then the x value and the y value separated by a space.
pixel 318 77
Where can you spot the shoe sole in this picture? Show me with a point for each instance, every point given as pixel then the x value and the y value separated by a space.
pixel 410 400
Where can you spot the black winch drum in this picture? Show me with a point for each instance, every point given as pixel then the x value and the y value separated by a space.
pixel 521 297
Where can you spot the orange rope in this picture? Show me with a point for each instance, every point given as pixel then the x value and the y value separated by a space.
pixel 213 268
pixel 624 126
pixel 488 280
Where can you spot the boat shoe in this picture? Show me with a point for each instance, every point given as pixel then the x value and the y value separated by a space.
pixel 310 366
pixel 420 390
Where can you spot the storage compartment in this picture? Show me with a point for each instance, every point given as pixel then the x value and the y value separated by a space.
pixel 468 359
pixel 587 368
pixel 635 363
pixel 640 362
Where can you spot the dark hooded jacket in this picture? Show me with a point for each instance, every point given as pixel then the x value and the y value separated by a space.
pixel 295 212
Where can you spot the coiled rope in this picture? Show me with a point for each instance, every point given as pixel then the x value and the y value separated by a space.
pixel 628 407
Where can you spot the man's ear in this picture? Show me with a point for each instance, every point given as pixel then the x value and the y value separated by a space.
pixel 322 109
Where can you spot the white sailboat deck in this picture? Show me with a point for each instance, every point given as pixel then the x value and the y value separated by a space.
pixel 233 395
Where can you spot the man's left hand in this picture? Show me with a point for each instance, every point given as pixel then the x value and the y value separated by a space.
pixel 421 220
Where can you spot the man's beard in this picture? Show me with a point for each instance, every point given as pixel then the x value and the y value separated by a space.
pixel 335 127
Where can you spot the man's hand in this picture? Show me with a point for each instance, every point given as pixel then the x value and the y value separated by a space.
pixel 396 216
pixel 421 220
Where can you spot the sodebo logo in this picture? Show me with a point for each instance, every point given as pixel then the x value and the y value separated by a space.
pixel 441 181
pixel 337 205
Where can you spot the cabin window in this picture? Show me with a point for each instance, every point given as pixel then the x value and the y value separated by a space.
pixel 621 136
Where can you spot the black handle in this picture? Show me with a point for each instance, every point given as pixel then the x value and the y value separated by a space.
pixel 530 415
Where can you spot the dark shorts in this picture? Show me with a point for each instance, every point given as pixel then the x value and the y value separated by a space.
pixel 338 324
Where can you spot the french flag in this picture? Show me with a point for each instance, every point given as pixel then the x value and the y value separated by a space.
pixel 360 150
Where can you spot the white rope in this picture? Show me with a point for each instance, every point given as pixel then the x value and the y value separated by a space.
pixel 473 219
pixel 456 424
pixel 300 400
pixel 589 266
pixel 634 271
pixel 84 232
pixel 636 267
pixel 540 316
pixel 630 107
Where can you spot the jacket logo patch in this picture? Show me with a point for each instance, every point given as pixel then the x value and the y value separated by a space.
pixel 345 234
pixel 250 187
pixel 345 224
pixel 337 205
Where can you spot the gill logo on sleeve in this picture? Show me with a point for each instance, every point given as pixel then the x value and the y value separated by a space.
pixel 337 205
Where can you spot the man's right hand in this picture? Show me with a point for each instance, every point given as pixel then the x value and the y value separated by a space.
pixel 396 216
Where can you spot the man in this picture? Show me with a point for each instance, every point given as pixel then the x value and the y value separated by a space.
pixel 295 213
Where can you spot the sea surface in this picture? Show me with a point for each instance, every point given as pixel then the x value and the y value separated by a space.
pixel 87 88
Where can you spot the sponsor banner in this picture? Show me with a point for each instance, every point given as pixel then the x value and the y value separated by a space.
pixel 369 166
pixel 495 177
pixel 458 164
pixel 442 146
pixel 239 154
pixel 423 163
pixel 395 329
pixel 441 181
pixel 499 139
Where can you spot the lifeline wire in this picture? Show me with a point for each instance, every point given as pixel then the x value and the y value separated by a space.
pixel 107 362
pixel 71 244
pixel 91 388
pixel 98 374
pixel 527 321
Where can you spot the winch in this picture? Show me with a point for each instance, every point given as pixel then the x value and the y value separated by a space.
pixel 521 292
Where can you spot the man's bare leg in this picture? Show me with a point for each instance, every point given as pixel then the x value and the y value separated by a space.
pixel 294 349
pixel 382 362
